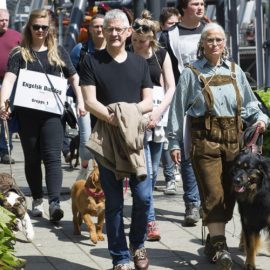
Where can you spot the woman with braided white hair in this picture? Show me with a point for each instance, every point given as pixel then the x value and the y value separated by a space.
pixel 214 95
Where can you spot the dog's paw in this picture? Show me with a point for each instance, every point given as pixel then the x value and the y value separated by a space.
pixel 101 237
pixel 27 228
pixel 93 238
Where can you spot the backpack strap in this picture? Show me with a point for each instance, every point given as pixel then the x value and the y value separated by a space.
pixel 83 52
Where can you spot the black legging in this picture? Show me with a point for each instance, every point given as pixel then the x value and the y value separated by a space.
pixel 41 136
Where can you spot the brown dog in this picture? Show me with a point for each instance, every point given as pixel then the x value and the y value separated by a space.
pixel 87 201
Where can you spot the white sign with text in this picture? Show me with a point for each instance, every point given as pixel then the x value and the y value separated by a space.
pixel 158 96
pixel 35 92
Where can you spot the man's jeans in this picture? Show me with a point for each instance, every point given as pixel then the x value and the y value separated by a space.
pixel 141 194
pixel 153 152
pixel 84 124
pixel 190 187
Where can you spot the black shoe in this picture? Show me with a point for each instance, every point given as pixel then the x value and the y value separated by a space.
pixel 217 252
pixel 192 214
pixel 56 213
pixel 6 159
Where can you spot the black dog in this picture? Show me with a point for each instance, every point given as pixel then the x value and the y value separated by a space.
pixel 251 182
pixel 74 151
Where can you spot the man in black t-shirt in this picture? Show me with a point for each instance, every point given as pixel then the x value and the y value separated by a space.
pixel 109 76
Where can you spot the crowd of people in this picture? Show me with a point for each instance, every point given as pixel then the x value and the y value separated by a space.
pixel 171 90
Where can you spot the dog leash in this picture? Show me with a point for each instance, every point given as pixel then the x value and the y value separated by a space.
pixel 252 140
pixel 6 131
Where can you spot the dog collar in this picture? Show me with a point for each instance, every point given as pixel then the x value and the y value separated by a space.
pixel 94 194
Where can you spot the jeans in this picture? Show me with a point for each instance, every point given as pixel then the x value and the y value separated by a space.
pixel 153 152
pixel 42 139
pixel 168 165
pixel 3 142
pixel 190 187
pixel 114 204
pixel 84 124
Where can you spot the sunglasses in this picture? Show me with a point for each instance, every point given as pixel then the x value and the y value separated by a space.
pixel 144 28
pixel 36 27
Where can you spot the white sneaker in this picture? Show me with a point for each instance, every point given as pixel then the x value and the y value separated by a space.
pixel 37 208
pixel 170 188
pixel 83 173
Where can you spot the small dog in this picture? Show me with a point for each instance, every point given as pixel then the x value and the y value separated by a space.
pixel 14 201
pixel 88 200
pixel 74 151
pixel 251 182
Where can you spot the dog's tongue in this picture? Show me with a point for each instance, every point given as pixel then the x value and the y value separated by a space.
pixel 239 189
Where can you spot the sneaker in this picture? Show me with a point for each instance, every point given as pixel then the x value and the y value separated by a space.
pixel 6 159
pixel 37 208
pixel 170 188
pixel 55 212
pixel 83 173
pixel 217 252
pixel 125 266
pixel 153 233
pixel 140 258
pixel 192 214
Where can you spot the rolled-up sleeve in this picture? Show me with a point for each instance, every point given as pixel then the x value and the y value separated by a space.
pixel 177 112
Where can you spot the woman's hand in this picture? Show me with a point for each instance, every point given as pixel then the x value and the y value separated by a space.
pixel 80 109
pixel 176 156
pixel 4 115
pixel 262 126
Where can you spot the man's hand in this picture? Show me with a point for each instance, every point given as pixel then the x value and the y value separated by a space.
pixel 112 120
pixel 176 156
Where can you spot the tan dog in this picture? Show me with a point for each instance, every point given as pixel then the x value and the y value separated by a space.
pixel 88 201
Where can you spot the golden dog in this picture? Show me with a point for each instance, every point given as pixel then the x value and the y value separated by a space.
pixel 88 201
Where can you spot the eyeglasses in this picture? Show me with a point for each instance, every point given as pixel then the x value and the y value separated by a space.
pixel 96 26
pixel 118 30
pixel 36 27
pixel 144 28
pixel 211 41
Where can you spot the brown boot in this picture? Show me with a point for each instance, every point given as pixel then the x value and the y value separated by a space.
pixel 217 252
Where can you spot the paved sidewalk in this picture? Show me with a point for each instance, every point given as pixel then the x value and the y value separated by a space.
pixel 56 248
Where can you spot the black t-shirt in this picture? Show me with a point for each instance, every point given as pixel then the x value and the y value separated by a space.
pixel 16 62
pixel 155 63
pixel 115 82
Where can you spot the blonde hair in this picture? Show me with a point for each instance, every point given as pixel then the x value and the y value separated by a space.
pixel 50 41
pixel 153 26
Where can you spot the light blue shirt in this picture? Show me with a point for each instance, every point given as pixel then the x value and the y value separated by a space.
pixel 189 100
